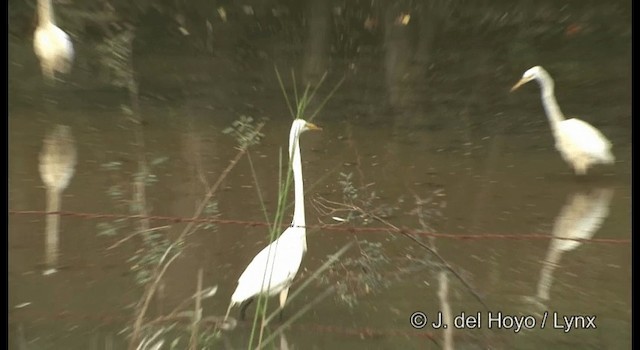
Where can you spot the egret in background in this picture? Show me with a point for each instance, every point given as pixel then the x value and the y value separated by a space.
pixel 51 44
pixel 580 144
pixel 57 163
pixel 272 271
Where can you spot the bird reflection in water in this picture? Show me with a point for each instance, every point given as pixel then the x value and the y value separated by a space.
pixel 445 307
pixel 580 218
pixel 57 165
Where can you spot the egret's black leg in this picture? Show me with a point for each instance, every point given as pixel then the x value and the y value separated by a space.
pixel 281 312
pixel 243 307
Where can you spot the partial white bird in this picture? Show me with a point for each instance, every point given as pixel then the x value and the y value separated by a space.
pixel 51 44
pixel 580 144
pixel 272 271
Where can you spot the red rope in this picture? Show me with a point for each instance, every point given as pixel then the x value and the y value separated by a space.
pixel 176 220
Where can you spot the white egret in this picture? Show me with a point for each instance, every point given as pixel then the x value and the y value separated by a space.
pixel 580 144
pixel 272 271
pixel 51 44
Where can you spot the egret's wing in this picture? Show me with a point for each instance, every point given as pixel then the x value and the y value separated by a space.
pixel 63 41
pixel 256 279
pixel 276 264
pixel 586 138
pixel 263 263
pixel 41 42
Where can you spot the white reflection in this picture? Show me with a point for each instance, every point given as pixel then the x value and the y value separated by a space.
pixel 284 344
pixel 580 218
pixel 445 308
pixel 57 163
pixel 23 344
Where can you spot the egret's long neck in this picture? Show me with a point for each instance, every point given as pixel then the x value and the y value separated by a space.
pixel 549 99
pixel 45 13
pixel 296 165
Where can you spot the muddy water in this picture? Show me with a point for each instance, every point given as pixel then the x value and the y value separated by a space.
pixel 452 133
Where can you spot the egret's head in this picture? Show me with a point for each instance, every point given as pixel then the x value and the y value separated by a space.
pixel 530 74
pixel 300 125
pixel 297 128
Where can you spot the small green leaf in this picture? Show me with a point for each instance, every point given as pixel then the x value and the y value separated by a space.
pixel 106 229
pixel 115 165
pixel 159 161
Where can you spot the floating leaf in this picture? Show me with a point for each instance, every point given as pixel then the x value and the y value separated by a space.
pixel 159 161
pixel 106 229
pixel 207 293
pixel 20 306
pixel 174 343
pixel 115 165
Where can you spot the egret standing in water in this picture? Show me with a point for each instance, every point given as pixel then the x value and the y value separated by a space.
pixel 580 144
pixel 51 44
pixel 272 271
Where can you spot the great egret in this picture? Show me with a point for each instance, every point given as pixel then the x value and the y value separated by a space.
pixel 274 268
pixel 51 44
pixel 57 165
pixel 580 144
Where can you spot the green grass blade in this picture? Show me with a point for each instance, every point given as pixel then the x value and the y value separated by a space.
pixel 284 92
pixel 332 259
pixel 297 315
pixel 313 93
pixel 295 88
pixel 327 98
pixel 255 181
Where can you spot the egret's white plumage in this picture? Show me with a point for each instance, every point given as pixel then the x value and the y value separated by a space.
pixel 51 44
pixel 282 257
pixel 272 271
pixel 580 144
